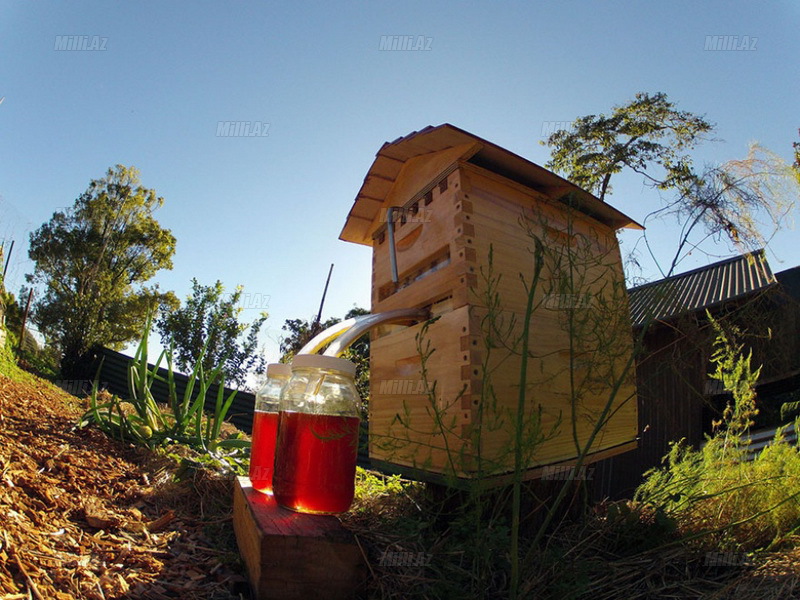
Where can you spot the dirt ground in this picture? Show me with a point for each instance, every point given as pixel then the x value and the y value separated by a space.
pixel 84 516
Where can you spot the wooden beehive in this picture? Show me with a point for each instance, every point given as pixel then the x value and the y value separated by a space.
pixel 458 197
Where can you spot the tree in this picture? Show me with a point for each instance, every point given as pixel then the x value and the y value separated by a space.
pixel 14 316
pixel 796 165
pixel 651 137
pixel 92 260
pixel 647 132
pixel 212 317
pixel 744 200
pixel 301 332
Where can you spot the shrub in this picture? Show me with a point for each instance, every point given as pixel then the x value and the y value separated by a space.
pixel 715 494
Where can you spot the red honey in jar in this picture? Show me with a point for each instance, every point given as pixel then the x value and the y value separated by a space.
pixel 265 427
pixel 315 455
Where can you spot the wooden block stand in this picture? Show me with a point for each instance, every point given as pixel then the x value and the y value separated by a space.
pixel 291 555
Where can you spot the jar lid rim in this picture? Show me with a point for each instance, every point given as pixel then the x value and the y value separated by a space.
pixel 324 362
pixel 279 370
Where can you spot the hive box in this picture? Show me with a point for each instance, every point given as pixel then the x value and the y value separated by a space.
pixel 444 396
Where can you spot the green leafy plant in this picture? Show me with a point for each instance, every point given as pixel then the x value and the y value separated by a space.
pixel 716 495
pixel 372 485
pixel 208 330
pixel 144 420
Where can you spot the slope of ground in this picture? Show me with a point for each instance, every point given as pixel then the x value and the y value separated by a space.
pixel 83 516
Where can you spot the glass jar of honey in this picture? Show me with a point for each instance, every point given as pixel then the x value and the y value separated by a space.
pixel 315 455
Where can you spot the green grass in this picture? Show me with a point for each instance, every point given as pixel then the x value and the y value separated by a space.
pixel 8 364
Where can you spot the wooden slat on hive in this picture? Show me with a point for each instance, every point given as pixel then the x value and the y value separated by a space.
pixel 431 230
pixel 434 140
pixel 434 287
pixel 421 172
pixel 386 166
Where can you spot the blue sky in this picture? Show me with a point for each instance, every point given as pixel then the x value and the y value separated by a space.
pixel 266 212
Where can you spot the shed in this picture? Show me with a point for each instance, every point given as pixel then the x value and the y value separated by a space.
pixel 676 397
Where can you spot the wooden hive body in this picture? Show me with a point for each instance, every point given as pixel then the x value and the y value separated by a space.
pixel 444 395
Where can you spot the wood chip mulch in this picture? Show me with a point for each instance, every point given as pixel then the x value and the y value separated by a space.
pixel 84 516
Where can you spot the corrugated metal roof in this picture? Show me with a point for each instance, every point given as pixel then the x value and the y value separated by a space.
pixel 701 288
